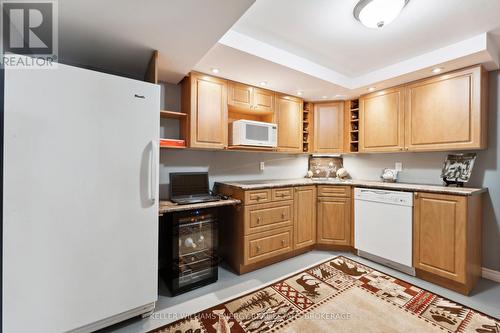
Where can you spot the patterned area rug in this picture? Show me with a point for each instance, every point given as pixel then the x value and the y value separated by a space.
pixel 340 295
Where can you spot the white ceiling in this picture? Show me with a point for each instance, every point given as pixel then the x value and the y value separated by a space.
pixel 325 31
pixel 317 46
pixel 119 35
pixel 313 46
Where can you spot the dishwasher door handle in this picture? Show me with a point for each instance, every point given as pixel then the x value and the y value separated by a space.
pixel 375 191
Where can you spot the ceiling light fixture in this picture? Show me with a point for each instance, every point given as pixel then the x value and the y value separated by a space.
pixel 378 13
pixel 437 70
pixel 215 70
pixel 371 89
pixel 263 83
pixel 324 97
pixel 299 93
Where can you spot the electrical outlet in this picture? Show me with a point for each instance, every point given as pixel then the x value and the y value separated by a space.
pixel 398 166
pixel 262 166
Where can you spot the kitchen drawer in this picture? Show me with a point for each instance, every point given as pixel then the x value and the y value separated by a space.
pixel 267 245
pixel 257 196
pixel 334 191
pixel 268 216
pixel 281 194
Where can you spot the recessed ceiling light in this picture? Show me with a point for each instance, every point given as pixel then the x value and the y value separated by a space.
pixel 215 70
pixel 371 89
pixel 263 83
pixel 299 93
pixel 324 97
pixel 339 96
pixel 378 13
pixel 437 70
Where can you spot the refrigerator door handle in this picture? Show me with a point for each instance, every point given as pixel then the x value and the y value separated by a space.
pixel 154 171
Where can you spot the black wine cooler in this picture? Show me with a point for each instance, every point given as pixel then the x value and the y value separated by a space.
pixel 188 249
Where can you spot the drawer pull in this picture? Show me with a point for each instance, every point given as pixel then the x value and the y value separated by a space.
pixel 282 242
pixel 258 220
pixel 257 249
pixel 282 215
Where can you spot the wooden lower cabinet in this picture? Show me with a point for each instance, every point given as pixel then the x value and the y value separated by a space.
pixel 304 216
pixel 291 221
pixel 447 239
pixel 266 245
pixel 334 221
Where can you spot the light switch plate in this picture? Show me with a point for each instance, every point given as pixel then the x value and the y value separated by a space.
pixel 262 166
pixel 398 166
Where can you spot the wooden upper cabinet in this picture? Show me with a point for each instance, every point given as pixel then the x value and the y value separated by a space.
pixel 250 99
pixel 439 235
pixel 263 100
pixel 289 119
pixel 205 100
pixel 381 121
pixel 329 127
pixel 304 216
pixel 239 95
pixel 447 112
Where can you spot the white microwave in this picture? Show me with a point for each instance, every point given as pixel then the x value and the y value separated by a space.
pixel 253 133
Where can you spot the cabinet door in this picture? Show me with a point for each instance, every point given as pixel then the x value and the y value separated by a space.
pixel 445 112
pixel 329 127
pixel 439 235
pixel 263 100
pixel 289 119
pixel 239 96
pixel 381 121
pixel 208 116
pixel 334 221
pixel 305 216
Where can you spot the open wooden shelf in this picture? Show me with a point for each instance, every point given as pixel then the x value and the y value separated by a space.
pixel 172 114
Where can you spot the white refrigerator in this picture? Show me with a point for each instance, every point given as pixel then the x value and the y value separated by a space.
pixel 80 208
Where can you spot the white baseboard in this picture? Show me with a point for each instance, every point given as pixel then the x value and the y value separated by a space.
pixel 490 274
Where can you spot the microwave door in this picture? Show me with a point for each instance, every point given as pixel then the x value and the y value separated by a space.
pixel 257 135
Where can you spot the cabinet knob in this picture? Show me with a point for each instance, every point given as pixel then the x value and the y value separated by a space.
pixel 282 215
pixel 258 220
pixel 257 249
pixel 282 242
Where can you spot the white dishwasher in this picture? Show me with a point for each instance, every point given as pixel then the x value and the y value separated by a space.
pixel 383 227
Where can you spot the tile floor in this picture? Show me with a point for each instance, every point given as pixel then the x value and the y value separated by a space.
pixel 485 297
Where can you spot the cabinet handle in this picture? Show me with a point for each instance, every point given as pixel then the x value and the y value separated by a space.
pixel 401 149
pixel 257 249
pixel 258 220
pixel 282 242
pixel 282 215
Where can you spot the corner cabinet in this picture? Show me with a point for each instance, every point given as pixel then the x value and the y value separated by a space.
pixel 382 121
pixel 289 119
pixel 329 127
pixel 205 101
pixel 447 112
pixel 304 216
pixel 447 239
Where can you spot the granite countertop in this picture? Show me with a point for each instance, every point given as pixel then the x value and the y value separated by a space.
pixel 261 184
pixel 166 206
